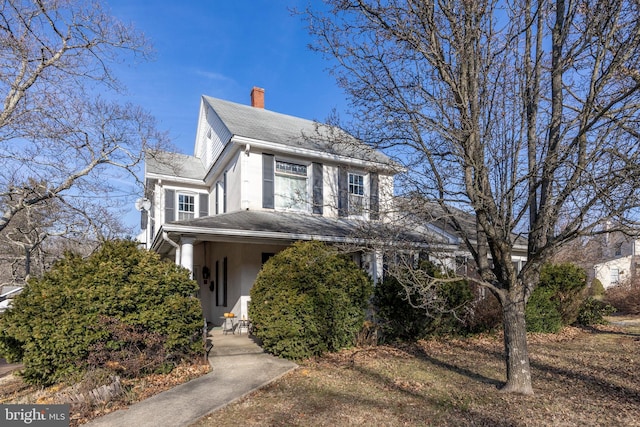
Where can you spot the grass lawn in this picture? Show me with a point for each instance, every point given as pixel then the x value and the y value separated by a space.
pixel 580 378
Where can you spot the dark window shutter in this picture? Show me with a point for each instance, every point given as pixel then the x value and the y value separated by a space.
pixel 267 181
pixel 169 205
pixel 374 197
pixel 225 276
pixel 343 192
pixel 204 205
pixel 218 290
pixel 144 215
pixel 318 198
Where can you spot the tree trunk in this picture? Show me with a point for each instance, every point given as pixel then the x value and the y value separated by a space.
pixel 515 345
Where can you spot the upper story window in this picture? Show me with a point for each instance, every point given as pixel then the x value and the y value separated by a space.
pixel 618 249
pixel 356 194
pixel 291 186
pixel 186 206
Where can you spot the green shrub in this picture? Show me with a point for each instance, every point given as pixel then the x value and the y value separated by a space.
pixel 308 300
pixel 597 289
pixel 592 312
pixel 542 313
pixel 569 282
pixel 397 318
pixel 399 315
pixel 557 299
pixel 74 309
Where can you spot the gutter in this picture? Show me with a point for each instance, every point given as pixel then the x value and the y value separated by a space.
pixel 166 238
pixel 14 291
pixel 275 235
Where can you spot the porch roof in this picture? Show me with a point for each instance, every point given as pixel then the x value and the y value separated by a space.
pixel 259 226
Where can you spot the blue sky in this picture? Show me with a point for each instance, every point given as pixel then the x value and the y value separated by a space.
pixel 223 49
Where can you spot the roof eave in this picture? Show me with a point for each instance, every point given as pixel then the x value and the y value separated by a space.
pixel 316 154
pixel 174 178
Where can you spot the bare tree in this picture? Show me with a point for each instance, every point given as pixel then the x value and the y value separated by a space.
pixel 39 234
pixel 59 122
pixel 524 113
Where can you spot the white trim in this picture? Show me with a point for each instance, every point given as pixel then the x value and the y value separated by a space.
pixel 176 179
pixel 258 236
pixel 310 154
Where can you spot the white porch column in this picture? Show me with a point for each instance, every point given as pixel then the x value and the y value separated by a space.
pixel 186 252
pixel 378 263
pixel 375 261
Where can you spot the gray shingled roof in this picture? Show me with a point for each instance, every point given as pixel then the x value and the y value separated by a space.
pixel 174 164
pixel 430 212
pixel 273 222
pixel 260 124
pixel 291 224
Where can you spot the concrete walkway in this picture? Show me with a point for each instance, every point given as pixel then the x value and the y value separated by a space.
pixel 7 368
pixel 239 366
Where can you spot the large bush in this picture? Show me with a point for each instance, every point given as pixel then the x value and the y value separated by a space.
pixel 625 297
pixel 557 299
pixel 542 312
pixel 597 289
pixel 592 312
pixel 119 303
pixel 308 300
pixel 487 313
pixel 401 315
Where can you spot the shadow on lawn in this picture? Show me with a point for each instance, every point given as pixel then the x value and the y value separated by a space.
pixel 593 330
pixel 594 377
pixel 423 355
pixel 409 409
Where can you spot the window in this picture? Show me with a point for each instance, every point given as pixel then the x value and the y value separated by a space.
pixel 356 194
pixel 290 186
pixel 186 207
pixel 615 275
pixel 618 251
pixel 516 266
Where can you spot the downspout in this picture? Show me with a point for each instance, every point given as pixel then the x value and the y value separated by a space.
pixel 166 238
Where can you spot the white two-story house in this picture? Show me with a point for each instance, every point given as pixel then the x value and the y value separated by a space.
pixel 620 259
pixel 257 182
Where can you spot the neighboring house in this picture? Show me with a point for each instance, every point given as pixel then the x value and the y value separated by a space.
pixel 620 260
pixel 259 181
pixel 446 230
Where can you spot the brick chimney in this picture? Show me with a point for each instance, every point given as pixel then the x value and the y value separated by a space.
pixel 257 97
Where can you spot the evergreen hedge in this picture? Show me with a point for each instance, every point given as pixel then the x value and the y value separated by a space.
pixel 557 300
pixel 400 317
pixel 119 303
pixel 307 300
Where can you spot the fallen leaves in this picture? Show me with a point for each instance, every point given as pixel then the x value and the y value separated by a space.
pixel 14 390
pixel 581 377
